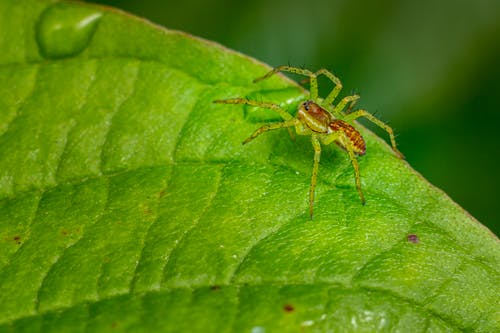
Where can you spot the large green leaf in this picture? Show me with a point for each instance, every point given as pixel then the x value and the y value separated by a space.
pixel 129 203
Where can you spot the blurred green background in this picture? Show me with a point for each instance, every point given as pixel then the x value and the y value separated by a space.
pixel 429 68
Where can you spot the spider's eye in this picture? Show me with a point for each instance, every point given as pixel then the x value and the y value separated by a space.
pixel 306 106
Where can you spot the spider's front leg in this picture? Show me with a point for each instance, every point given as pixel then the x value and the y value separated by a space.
pixel 312 77
pixel 337 85
pixel 266 105
pixel 270 127
pixel 363 113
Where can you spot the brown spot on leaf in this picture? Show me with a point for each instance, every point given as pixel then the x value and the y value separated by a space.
pixel 288 308
pixel 215 288
pixel 162 193
pixel 413 238
pixel 17 239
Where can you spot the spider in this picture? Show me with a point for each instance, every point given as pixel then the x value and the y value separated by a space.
pixel 324 121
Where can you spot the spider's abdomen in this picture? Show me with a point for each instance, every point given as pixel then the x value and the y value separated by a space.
pixel 351 134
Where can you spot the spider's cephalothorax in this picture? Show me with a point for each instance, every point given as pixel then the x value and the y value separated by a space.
pixel 323 121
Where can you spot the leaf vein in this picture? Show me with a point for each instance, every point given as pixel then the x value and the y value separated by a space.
pixel 168 184
pixel 30 223
pixel 73 123
pixel 114 114
pixel 273 232
pixel 195 224
pixel 23 102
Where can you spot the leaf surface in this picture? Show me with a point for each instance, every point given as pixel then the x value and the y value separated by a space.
pixel 128 202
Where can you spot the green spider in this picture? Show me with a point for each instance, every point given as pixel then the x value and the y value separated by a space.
pixel 324 121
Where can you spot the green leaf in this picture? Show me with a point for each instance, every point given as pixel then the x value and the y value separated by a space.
pixel 129 203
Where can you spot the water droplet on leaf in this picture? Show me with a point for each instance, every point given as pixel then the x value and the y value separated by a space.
pixel 258 329
pixel 65 30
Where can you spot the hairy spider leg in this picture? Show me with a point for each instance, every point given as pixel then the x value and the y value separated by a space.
pixel 342 104
pixel 336 89
pixel 270 127
pixel 352 156
pixel 363 113
pixel 350 107
pixel 313 85
pixel 336 82
pixel 355 165
pixel 317 155
pixel 266 105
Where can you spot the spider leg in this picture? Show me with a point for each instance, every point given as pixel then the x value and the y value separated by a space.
pixel 336 89
pixel 317 154
pixel 350 107
pixel 347 144
pixel 355 165
pixel 342 104
pixel 313 86
pixel 363 113
pixel 266 105
pixel 270 127
pixel 336 81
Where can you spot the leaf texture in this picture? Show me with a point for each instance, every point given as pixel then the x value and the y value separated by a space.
pixel 127 201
